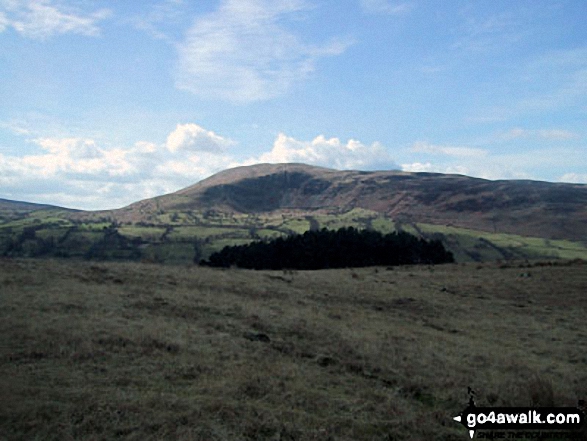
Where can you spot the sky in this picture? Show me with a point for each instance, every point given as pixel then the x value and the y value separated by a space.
pixel 106 102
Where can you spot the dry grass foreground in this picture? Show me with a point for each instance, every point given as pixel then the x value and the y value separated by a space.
pixel 143 352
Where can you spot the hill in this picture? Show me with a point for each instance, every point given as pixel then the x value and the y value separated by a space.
pixel 476 219
pixel 10 209
pixel 8 205
pixel 522 207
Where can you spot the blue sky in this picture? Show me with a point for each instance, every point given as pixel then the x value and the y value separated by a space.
pixel 103 103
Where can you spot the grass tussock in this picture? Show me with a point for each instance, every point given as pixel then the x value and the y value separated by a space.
pixel 143 352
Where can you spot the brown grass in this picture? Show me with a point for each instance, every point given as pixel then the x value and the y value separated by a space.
pixel 144 352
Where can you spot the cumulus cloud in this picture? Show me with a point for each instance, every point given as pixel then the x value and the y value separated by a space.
pixel 77 156
pixel 40 19
pixel 85 173
pixel 192 137
pixel 242 52
pixel 329 153
pixel 82 173
pixel 424 147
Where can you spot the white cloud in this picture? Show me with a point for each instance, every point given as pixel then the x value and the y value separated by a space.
pixel 498 170
pixel 40 19
pixel 192 168
pixel 243 52
pixel 16 127
pixel 3 22
pixel 483 164
pixel 10 170
pixel 328 153
pixel 77 156
pixel 547 163
pixel 495 169
pixel 424 147
pixel 575 178
pixel 417 167
pixel 192 137
pixel 82 173
pixel 549 134
pixel 386 7
pixel 167 13
pixel 145 147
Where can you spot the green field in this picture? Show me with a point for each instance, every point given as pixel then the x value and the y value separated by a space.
pixel 151 234
pixel 198 234
pixel 190 233
pixel 504 246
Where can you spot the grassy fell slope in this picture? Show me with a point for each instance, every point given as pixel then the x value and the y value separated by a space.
pixel 7 205
pixel 530 208
pixel 134 351
pixel 478 220
pixel 527 208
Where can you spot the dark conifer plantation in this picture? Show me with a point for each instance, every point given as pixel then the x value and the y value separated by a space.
pixel 344 248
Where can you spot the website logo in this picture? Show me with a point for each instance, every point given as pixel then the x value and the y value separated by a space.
pixel 474 418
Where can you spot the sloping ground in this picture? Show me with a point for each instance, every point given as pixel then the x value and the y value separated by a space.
pixel 530 208
pixel 7 205
pixel 185 237
pixel 14 210
pixel 141 352
pixel 478 220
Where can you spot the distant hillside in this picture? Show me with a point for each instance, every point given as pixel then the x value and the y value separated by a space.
pixel 15 210
pixel 8 205
pixel 475 219
pixel 523 207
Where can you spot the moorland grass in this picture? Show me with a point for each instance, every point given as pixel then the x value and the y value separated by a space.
pixel 100 351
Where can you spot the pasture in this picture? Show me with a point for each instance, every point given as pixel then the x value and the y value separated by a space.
pixel 182 237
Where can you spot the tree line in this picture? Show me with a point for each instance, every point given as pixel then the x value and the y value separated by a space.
pixel 343 248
